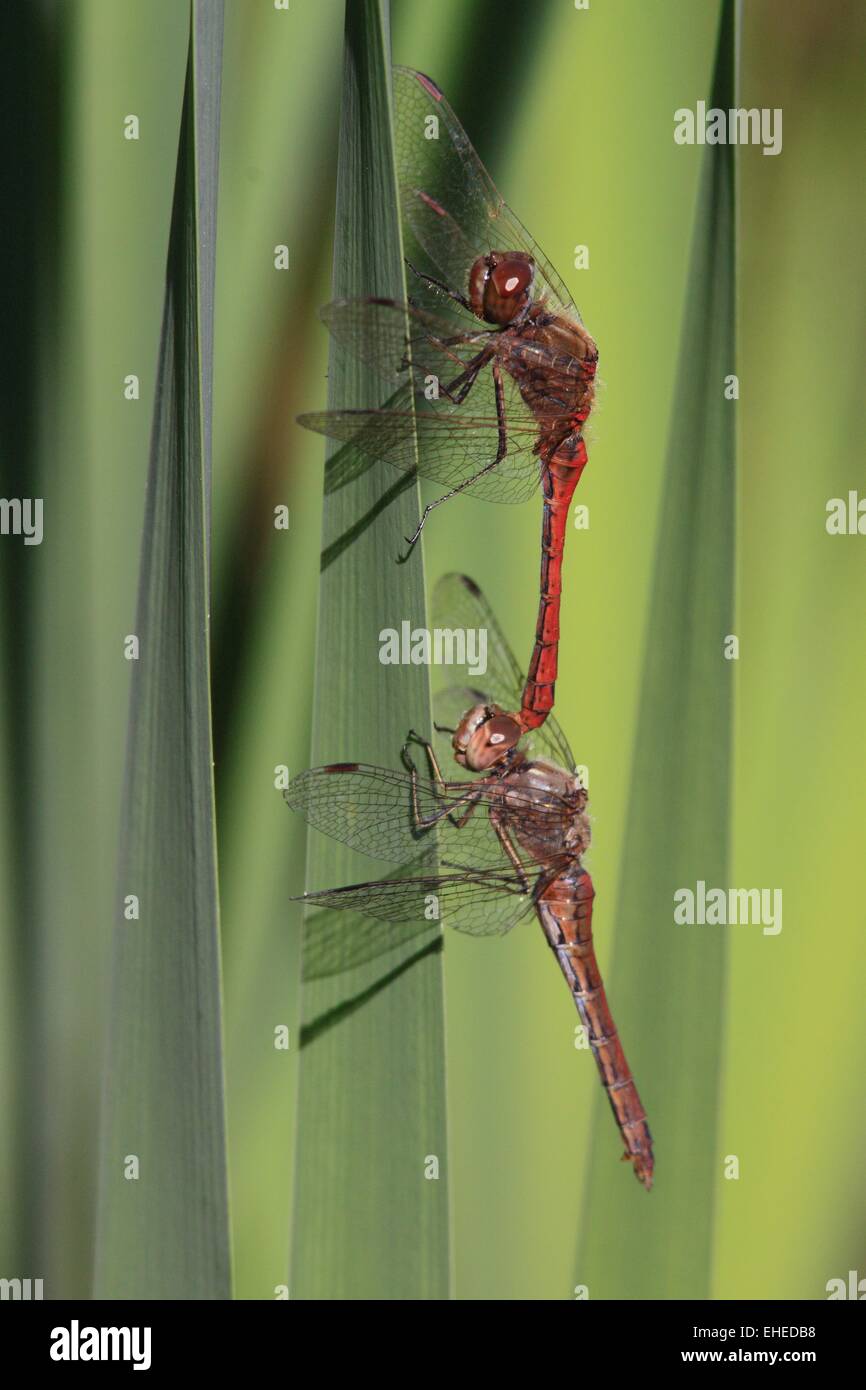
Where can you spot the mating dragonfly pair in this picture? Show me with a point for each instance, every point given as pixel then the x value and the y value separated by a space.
pixel 491 323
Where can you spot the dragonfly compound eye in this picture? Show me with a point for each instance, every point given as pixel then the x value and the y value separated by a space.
pixel 491 741
pixel 502 731
pixel 512 278
pixel 500 284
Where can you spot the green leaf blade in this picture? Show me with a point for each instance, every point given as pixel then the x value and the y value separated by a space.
pixel 369 1222
pixel 162 1206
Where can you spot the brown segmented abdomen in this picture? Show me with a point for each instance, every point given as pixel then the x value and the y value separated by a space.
pixel 565 912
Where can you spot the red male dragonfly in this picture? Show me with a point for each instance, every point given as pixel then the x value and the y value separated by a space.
pixel 484 852
pixel 492 373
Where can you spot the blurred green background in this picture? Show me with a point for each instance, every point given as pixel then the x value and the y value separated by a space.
pixel 572 111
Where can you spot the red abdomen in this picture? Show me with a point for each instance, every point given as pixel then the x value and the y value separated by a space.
pixel 560 476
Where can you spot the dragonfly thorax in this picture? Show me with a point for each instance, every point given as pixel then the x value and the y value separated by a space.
pixel 500 286
pixel 538 782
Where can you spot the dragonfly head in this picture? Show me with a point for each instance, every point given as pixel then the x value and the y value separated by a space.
pixel 500 286
pixel 484 737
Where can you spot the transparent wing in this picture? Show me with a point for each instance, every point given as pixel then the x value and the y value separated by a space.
pixel 453 442
pixel 333 941
pixel 371 809
pixel 450 204
pixel 477 902
pixel 397 339
pixel 458 603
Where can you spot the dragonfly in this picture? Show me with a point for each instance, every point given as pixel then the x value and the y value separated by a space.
pixel 487 850
pixel 491 372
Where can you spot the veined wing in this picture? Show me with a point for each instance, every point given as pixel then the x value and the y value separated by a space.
pixel 449 200
pixel 475 901
pixel 459 604
pixel 333 941
pixel 444 442
pixel 397 339
pixel 371 809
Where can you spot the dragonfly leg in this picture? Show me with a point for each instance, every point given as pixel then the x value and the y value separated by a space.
pixel 471 369
pixel 431 758
pixel 440 285
pixel 422 822
pixel 507 844
pixel 501 451
pixel 458 389
pixel 446 345
pixel 441 785
pixel 459 821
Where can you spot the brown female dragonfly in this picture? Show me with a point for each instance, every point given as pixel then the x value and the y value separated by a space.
pixel 485 850
pixel 492 374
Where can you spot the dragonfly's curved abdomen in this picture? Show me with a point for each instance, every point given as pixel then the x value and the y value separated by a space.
pixel 565 911
pixel 553 360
